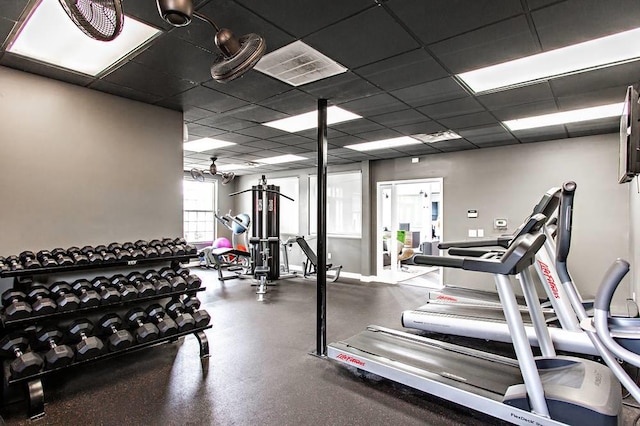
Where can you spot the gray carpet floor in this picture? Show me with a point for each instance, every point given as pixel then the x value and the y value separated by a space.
pixel 260 371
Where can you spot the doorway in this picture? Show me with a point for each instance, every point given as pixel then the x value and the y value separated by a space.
pixel 409 222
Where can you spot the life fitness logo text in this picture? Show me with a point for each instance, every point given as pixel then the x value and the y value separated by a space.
pixel 552 283
pixel 350 359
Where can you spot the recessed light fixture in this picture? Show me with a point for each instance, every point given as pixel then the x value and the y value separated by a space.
pixel 309 120
pixel 50 36
pixel 205 144
pixel 385 143
pixel 575 116
pixel 298 63
pixel 581 57
pixel 288 158
pixel 437 137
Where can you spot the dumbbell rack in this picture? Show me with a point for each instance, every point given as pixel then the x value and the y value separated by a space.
pixel 34 387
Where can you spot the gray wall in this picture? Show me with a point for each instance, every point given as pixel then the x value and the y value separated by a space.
pixel 83 167
pixel 351 253
pixel 506 182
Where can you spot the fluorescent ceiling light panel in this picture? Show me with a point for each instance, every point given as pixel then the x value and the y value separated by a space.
pixel 437 137
pixel 309 120
pixel 598 53
pixel 205 144
pixel 281 159
pixel 232 167
pixel 50 36
pixel 575 116
pixel 383 144
pixel 298 64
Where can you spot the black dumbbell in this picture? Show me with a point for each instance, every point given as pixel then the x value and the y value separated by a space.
pixel 177 282
pixel 78 257
pixel 119 339
pixel 161 282
pixel 127 290
pixel 161 286
pixel 3 266
pixel 176 249
pixel 188 248
pixel 136 253
pixel 29 260
pixel 25 363
pixel 119 251
pixel 46 259
pixel 14 263
pixel 89 298
pixel 66 299
pixel 41 301
pixel 145 331
pixel 58 355
pixel 15 307
pixel 88 346
pixel 149 252
pixel 107 293
pixel 61 257
pixel 193 281
pixel 178 312
pixel 144 287
pixel 201 317
pixel 180 240
pixel 160 248
pixel 166 326
pixel 92 255
pixel 107 256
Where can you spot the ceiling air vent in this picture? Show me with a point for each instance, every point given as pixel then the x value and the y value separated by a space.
pixel 298 64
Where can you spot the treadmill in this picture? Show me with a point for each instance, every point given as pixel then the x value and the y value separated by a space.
pixel 548 390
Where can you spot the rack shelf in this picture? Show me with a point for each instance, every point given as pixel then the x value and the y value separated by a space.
pixel 57 315
pixel 102 265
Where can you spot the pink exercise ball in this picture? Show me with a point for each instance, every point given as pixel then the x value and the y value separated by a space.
pixel 221 243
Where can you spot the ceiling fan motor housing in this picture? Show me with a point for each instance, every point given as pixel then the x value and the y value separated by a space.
pixel 176 12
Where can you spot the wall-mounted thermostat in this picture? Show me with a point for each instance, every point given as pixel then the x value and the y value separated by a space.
pixel 472 214
pixel 500 223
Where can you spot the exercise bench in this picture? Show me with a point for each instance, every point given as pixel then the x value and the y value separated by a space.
pixel 310 267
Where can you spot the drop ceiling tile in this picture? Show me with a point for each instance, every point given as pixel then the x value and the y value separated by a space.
pixel 241 149
pixel 422 149
pixel 235 137
pixel 399 118
pixel 378 135
pixel 197 157
pixel 427 126
pixel 575 21
pixel 357 126
pixel 198 131
pixel 209 99
pixel 436 20
pixel 537 4
pixel 252 87
pixel 288 149
pixel 387 153
pixel 12 9
pixel 23 64
pixel 453 145
pixel 501 42
pixel 292 102
pixel 263 153
pixel 302 17
pixel 476 132
pixel 541 134
pixel 192 113
pixel 620 75
pixel 406 69
pixel 446 109
pixel 468 120
pixel 526 110
pixel 593 98
pixel 489 138
pixel 346 140
pixel 144 79
pixel 262 132
pixel 489 143
pixel 142 12
pixel 231 15
pixel 124 92
pixel 6 26
pixel 594 127
pixel 340 88
pixel 178 58
pixel 374 105
pixel 291 139
pixel 378 36
pixel 256 113
pixel 518 96
pixel 226 123
pixel 265 144
pixel 313 133
pixel 432 92
pixel 358 156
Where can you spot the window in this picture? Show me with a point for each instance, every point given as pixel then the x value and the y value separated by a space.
pixel 199 204
pixel 289 211
pixel 344 204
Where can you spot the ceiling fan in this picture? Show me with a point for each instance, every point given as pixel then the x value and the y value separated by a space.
pixel 239 55
pixel 99 19
pixel 199 175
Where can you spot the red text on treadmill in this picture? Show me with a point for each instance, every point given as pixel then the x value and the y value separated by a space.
pixel 552 283
pixel 449 298
pixel 350 359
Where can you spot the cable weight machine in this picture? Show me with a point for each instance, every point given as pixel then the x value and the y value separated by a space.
pixel 265 202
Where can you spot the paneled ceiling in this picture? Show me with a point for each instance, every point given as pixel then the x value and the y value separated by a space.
pixel 401 55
